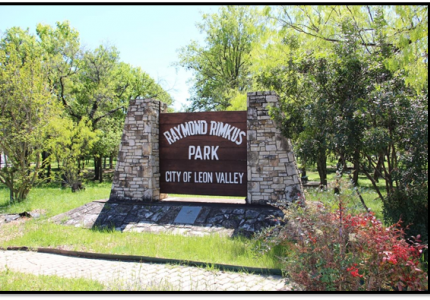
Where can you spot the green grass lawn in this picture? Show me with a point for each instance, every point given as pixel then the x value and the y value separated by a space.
pixel 211 248
pixel 17 282
pixel 11 281
pixel 364 187
pixel 52 200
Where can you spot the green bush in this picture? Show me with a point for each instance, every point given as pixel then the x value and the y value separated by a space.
pixel 410 206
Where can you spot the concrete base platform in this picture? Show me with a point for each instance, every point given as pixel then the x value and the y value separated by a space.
pixel 230 219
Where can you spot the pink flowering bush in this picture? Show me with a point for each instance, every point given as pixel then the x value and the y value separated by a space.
pixel 338 251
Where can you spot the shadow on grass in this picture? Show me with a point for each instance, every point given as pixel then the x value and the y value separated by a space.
pixel 108 228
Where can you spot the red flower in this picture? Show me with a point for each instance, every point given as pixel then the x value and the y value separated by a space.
pixel 354 271
pixel 393 260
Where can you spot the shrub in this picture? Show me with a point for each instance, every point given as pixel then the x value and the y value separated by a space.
pixel 410 205
pixel 339 251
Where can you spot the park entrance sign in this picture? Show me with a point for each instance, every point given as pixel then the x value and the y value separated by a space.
pixel 203 153
pixel 239 153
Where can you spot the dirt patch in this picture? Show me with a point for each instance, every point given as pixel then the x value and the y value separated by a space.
pixel 12 225
pixel 11 230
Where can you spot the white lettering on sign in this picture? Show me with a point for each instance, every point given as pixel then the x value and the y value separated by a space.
pixel 168 137
pixel 200 127
pixel 208 153
pixel 227 131
pixel 173 176
pixel 187 176
pixel 229 177
pixel 205 177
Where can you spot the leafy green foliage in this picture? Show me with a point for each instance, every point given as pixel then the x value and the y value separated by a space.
pixel 61 57
pixel 409 201
pixel 347 90
pixel 411 207
pixel 27 108
pixel 402 30
pixel 221 66
pixel 68 143
pixel 92 89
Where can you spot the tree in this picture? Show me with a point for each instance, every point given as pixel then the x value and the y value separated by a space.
pixel 107 145
pixel 27 108
pixel 374 113
pixel 348 39
pixel 403 30
pixel 69 142
pixel 79 89
pixel 221 66
pixel 93 84
pixel 397 151
pixel 103 88
pixel 61 56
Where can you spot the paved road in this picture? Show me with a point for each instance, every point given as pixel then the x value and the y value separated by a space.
pixel 138 276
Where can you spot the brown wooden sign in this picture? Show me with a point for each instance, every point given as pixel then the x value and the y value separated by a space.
pixel 203 153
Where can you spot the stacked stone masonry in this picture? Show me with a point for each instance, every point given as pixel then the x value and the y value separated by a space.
pixel 137 173
pixel 272 170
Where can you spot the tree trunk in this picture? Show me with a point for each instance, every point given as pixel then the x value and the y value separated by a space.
pixel 100 169
pixel 303 171
pixel 378 168
pixel 104 162
pixel 322 168
pixel 41 173
pixel 96 168
pixel 110 162
pixel 46 167
pixel 48 172
pixel 341 164
pixel 356 167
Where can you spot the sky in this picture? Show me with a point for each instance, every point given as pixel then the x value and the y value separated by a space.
pixel 147 36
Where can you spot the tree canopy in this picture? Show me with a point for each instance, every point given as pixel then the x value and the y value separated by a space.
pixel 399 31
pixel 27 110
pixel 353 84
pixel 221 66
pixel 48 79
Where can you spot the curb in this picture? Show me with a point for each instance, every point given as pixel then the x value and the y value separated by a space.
pixel 148 259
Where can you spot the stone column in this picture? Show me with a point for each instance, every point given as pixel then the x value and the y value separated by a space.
pixel 137 172
pixel 272 171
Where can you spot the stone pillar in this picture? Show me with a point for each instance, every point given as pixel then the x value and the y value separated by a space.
pixel 272 171
pixel 137 172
